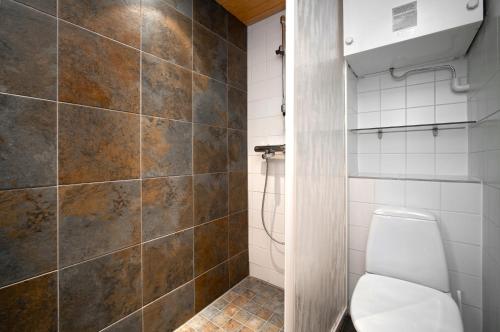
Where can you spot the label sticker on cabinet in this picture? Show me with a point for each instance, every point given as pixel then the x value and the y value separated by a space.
pixel 404 17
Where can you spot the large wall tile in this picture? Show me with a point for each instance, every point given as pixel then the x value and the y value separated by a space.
pixel 166 33
pixel 210 53
pixel 95 219
pixel 237 109
pixel 28 142
pixel 48 6
pixel 238 191
pixel 132 323
pixel 238 233
pixel 209 149
pixel 236 32
pixel 97 145
pixel 237 148
pixel 209 101
pixel 28 233
pixel 96 71
pixel 210 286
pixel 238 268
pixel 167 205
pixel 210 245
pixel 170 311
pixel 237 67
pixel 99 292
pixel 211 15
pixel 28 53
pixel 166 89
pixel 166 147
pixel 210 197
pixel 167 264
pixel 30 305
pixel 116 19
pixel 183 6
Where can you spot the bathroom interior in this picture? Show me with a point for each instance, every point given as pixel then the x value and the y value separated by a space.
pixel 265 165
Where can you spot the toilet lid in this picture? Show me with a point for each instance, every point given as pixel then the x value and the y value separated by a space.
pixel 392 305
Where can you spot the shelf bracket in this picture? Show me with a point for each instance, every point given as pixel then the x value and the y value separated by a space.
pixel 435 131
pixel 380 133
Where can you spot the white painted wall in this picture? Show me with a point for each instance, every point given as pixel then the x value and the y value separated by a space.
pixel 266 125
pixel 458 208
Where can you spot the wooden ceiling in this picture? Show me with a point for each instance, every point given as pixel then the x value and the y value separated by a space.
pixel 251 11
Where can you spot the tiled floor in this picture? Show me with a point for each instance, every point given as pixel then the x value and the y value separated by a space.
pixel 252 305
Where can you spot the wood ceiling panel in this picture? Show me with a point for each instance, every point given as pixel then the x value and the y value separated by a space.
pixel 251 11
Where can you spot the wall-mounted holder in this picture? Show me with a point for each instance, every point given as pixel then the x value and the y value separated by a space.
pixel 433 127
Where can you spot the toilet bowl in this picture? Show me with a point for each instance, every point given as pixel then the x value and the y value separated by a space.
pixel 406 284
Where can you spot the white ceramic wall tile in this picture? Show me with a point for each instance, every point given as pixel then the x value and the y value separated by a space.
pixel 473 319
pixel 470 287
pixel 390 192
pixel 444 94
pixel 461 227
pixel 362 190
pixel 360 214
pixel 265 126
pixel 393 99
pixel 387 82
pixel 451 164
pixel 451 112
pixel 393 118
pixel 356 261
pixel 357 237
pixel 420 115
pixel 420 78
pixel 368 101
pixel 464 258
pixel 369 120
pixel 420 95
pixel 393 143
pixel 369 163
pixel 368 143
pixel 451 141
pixel 353 280
pixel 392 163
pixel 461 197
pixel 423 194
pixel 369 84
pixel 420 142
pixel 420 164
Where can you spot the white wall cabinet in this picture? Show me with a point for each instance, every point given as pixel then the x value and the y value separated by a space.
pixel 396 33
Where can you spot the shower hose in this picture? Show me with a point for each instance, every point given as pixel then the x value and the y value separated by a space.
pixel 262 208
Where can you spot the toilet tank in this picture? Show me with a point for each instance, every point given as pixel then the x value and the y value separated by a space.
pixel 406 244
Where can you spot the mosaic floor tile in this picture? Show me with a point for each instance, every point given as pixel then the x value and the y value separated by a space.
pixel 251 306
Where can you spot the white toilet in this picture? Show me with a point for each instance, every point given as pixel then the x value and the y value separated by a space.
pixel 406 284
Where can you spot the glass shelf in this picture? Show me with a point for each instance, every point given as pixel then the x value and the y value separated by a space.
pixel 435 127
pixel 417 177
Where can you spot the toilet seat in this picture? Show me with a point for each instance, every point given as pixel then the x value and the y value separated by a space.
pixel 387 304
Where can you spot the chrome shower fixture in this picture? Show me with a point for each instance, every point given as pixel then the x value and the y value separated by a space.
pixel 269 151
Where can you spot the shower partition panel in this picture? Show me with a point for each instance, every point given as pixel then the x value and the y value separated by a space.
pixel 315 281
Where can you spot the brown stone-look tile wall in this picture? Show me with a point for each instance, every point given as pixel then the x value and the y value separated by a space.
pixel 123 185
